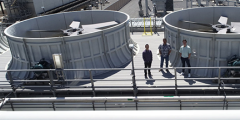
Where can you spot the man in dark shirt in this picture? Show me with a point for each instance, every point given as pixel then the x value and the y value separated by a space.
pixel 164 51
pixel 147 57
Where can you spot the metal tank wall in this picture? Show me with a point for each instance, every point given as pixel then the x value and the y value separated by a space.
pixel 208 49
pixel 106 48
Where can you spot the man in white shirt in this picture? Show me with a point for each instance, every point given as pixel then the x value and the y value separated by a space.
pixel 185 53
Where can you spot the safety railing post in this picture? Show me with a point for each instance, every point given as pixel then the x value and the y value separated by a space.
pixel 93 88
pixel 50 75
pixel 11 83
pixel 219 80
pixel 51 78
pixel 131 26
pixel 191 3
pixel 175 74
pixel 10 77
pixel 133 76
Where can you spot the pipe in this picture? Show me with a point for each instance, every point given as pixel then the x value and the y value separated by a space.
pixel 2 8
pixel 127 99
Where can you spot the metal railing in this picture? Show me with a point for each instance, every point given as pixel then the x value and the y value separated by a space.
pixel 53 86
pixel 121 103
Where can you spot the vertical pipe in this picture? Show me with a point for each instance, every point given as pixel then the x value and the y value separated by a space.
pixel 146 3
pixel 186 4
pixel 144 26
pixel 151 25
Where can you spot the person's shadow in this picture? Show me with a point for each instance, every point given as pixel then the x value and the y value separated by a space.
pixel 167 74
pixel 150 81
pixel 190 82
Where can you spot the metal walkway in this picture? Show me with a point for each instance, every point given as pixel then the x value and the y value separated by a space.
pixel 119 82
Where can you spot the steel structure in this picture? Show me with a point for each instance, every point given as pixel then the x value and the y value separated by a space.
pixel 208 49
pixel 17 9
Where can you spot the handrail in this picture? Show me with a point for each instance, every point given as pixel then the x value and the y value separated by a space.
pixel 134 87
pixel 97 69
pixel 127 99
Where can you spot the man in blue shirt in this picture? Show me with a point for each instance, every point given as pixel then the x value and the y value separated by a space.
pixel 185 53
pixel 147 58
pixel 164 51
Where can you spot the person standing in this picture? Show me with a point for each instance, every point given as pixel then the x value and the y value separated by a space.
pixel 185 53
pixel 164 51
pixel 147 58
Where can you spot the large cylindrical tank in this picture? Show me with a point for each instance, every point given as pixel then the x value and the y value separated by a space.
pixel 208 49
pixel 106 48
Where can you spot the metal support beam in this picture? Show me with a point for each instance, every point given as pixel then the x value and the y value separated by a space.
pixel 219 80
pixel 105 105
pixel 133 76
pixel 175 73
pixel 93 106
pixel 10 77
pixel 12 107
pixel 180 105
pixel 92 83
pixel 54 108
